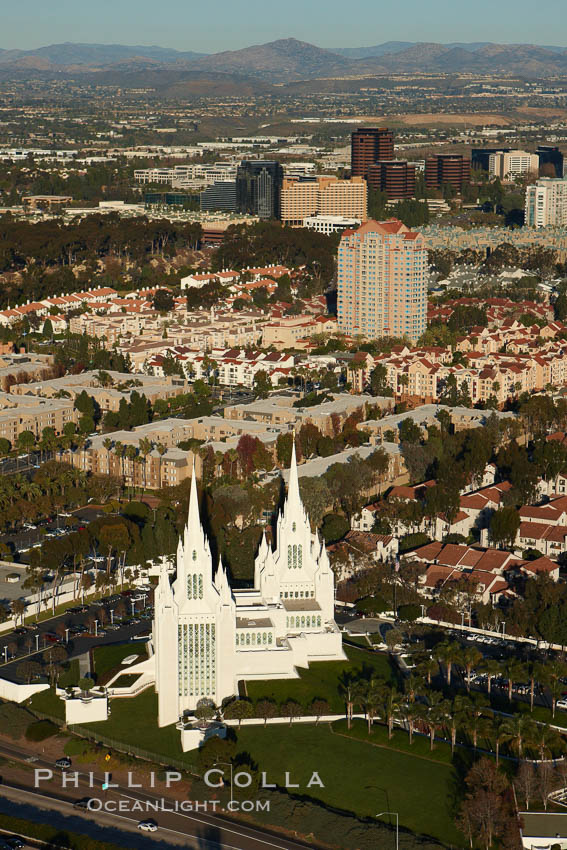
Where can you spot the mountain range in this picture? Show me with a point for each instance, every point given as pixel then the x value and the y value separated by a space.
pixel 288 60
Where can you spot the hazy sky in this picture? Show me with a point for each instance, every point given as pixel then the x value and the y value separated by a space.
pixel 231 24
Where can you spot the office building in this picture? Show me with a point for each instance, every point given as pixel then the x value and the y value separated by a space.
pixel 220 196
pixel 258 188
pixel 368 145
pixel 209 636
pixel 546 203
pixel 510 164
pixel 330 223
pixel 550 161
pixel 447 169
pixel 381 281
pixel 324 196
pixel 395 177
pixel 480 157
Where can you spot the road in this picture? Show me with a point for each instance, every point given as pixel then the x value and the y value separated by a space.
pixel 200 830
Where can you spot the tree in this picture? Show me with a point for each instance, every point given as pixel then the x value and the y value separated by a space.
pixel 163 301
pixel 319 707
pixel 262 384
pixel 267 709
pixel 291 708
pixel 205 709
pixel 25 441
pixel 526 782
pixel 504 525
pixel 334 527
pixel 410 432
pixel 238 709
pixel 28 670
pixel 379 385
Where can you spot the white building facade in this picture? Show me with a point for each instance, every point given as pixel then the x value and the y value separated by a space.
pixel 546 203
pixel 208 636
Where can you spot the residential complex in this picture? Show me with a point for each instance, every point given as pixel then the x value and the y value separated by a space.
pixel 546 203
pixel 324 196
pixel 381 281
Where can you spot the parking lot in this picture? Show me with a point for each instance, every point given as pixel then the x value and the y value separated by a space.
pixel 112 619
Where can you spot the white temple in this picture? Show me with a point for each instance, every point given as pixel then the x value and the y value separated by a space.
pixel 208 636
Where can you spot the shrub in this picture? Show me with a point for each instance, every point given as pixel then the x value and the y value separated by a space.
pixel 409 612
pixel 14 720
pixel 41 730
pixel 412 541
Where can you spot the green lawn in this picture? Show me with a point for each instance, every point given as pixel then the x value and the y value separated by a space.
pixel 321 679
pixel 357 776
pixel 108 657
pixel 48 703
pixel 70 676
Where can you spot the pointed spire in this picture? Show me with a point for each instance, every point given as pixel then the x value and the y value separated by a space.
pixel 293 483
pixel 193 521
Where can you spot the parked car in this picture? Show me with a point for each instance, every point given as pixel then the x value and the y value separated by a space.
pixel 21 630
pixel 148 826
pixel 51 637
pixel 14 842
pixel 562 704
pixel 63 762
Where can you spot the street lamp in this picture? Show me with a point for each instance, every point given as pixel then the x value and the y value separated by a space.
pixel 380 814
pixel 228 764
pixel 5 655
pixel 96 628
pixel 37 643
pixel 112 616
pixel 66 635
pixel 133 604
pixel 503 627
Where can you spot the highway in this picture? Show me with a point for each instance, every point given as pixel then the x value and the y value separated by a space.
pixel 202 830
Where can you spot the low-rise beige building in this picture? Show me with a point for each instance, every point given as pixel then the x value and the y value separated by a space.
pixel 323 196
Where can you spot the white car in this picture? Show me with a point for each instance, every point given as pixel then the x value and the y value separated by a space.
pixel 562 704
pixel 148 826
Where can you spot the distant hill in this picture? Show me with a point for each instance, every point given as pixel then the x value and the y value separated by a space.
pixel 288 61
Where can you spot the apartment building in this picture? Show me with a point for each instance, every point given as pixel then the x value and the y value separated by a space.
pixel 325 196
pixel 165 465
pixel 108 392
pixel 288 332
pixel 510 164
pixel 22 413
pixel 546 203
pixel 381 281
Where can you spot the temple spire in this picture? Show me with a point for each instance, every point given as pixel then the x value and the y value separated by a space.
pixel 293 496
pixel 193 520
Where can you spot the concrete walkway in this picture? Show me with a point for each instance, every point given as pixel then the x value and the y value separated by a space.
pixel 84 664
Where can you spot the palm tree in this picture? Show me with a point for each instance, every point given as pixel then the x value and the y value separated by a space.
pixel 390 702
pixel 427 668
pixel 349 688
pixel 130 453
pixel 448 653
pixel 436 715
pixel 517 731
pixel 516 672
pixel 498 733
pixel 553 673
pixel 371 701
pixel 412 711
pixel 412 687
pixel 492 668
pixel 120 451
pixel 457 717
pixel 470 658
pixel 161 450
pixel 547 741
pixel 107 443
pixel 146 447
